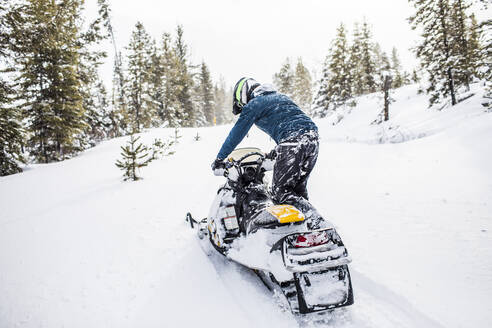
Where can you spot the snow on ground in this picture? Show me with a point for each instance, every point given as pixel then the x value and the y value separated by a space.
pixel 81 248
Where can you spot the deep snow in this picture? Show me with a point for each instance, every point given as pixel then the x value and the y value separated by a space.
pixel 81 248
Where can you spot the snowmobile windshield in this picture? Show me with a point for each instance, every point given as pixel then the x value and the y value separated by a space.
pixel 238 153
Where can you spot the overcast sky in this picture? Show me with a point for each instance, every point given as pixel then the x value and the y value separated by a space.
pixel 253 38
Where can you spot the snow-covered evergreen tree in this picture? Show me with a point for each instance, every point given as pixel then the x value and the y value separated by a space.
pixel 48 41
pixel 284 79
pixel 302 91
pixel 134 155
pixel 172 114
pixel 336 84
pixel 396 70
pixel 97 114
pixel 118 113
pixel 444 51
pixel 206 103
pixel 367 64
pixel 460 28
pixel 223 103
pixel 355 62
pixel 140 105
pixel 94 96
pixel 183 80
pixel 156 89
pixel 11 132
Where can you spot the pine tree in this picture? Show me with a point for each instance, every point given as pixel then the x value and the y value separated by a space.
pixel 48 44
pixel 335 86
pixel 475 57
pixel 302 86
pixel 11 132
pixel 135 156
pixel 382 63
pixel 367 61
pixel 222 103
pixel 172 113
pixel 140 104
pixel 206 94
pixel 184 80
pixel 156 86
pixel 485 65
pixel 437 48
pixel 415 77
pixel 219 100
pixel 398 76
pixel 459 31
pixel 119 114
pixel 356 62
pixel 485 54
pixel 321 104
pixel 92 89
pixel 284 79
pixel 98 115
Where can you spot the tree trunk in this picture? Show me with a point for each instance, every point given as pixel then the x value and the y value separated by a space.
pixel 451 86
pixel 386 89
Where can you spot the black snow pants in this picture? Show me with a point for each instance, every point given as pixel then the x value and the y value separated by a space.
pixel 294 162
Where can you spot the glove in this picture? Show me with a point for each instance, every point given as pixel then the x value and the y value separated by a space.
pixel 271 155
pixel 218 164
pixel 269 161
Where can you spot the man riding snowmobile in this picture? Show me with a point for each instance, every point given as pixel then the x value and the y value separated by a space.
pixel 294 132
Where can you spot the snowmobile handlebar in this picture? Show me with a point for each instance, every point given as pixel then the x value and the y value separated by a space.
pixel 224 170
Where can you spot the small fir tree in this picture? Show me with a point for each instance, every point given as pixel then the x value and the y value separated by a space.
pixel 161 148
pixel 135 156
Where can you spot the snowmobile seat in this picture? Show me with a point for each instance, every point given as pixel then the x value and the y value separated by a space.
pixel 274 216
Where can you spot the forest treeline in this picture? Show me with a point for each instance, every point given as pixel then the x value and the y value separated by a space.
pixel 54 103
pixel 454 51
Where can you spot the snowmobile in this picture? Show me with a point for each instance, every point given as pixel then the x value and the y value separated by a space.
pixel 306 263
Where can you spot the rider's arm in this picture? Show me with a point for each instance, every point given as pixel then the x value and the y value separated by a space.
pixel 238 132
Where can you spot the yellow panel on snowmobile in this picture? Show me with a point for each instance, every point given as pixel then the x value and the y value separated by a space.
pixel 286 213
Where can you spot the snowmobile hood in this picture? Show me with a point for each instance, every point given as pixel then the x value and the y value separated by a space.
pixel 240 152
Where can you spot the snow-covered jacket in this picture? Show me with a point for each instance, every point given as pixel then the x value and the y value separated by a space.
pixel 272 112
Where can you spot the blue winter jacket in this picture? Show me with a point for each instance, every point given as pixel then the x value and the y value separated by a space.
pixel 275 114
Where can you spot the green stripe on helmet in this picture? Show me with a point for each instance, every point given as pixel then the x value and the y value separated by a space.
pixel 239 88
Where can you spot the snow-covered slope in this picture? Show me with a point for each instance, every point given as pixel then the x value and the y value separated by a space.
pixel 81 248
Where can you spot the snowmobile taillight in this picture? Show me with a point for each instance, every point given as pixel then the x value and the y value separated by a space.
pixel 231 223
pixel 311 239
pixel 230 219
